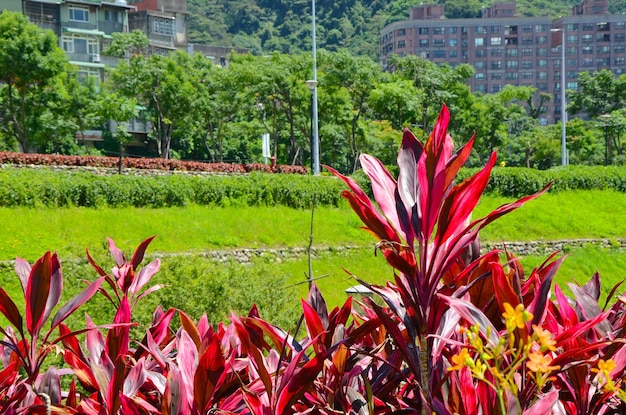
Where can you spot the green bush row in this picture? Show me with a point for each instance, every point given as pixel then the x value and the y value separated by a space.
pixel 43 187
pixel 518 181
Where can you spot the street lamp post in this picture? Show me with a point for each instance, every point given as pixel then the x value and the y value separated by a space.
pixel 312 84
pixel 564 160
pixel 608 152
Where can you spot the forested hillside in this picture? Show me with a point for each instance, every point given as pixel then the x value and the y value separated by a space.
pixel 264 26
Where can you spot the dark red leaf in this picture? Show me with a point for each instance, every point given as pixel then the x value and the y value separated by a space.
pixel 10 311
pixel 37 292
pixel 211 367
pixel 140 252
pixel 80 299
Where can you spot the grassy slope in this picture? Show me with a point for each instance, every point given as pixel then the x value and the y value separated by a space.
pixel 30 232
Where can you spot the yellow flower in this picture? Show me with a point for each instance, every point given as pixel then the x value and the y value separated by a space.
pixel 537 362
pixel 516 318
pixel 604 366
pixel 460 360
pixel 544 338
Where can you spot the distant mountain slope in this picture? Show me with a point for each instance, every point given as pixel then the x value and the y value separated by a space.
pixel 264 26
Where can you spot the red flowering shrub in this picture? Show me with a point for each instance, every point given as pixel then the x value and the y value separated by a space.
pixel 142 163
pixel 460 332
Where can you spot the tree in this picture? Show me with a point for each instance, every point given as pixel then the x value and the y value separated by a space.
pixel 161 84
pixel 598 93
pixel 31 63
pixel 358 76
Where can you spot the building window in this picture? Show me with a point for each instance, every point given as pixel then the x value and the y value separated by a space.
pixel 496 41
pixel 452 42
pixel 527 51
pixel 572 85
pixel 480 88
pixel 401 44
pixel 587 27
pixel 603 62
pixel 79 13
pixel 73 43
pixel 479 41
pixel 496 88
pixel 453 54
pixel 541 28
pixel 572 38
pixel 527 75
pixel 496 65
pixel 423 43
pixel 542 86
pixel 479 65
pixel 496 76
pixel 542 63
pixel 620 49
pixel 542 40
pixel 480 29
pixel 439 54
pixel 440 43
pixel 527 28
pixel 603 27
pixel 510 41
pixel 512 64
pixel 572 74
pixel 480 76
pixel 498 52
pixel 542 75
pixel 480 53
pixel 603 37
pixel 452 30
pixel 572 27
pixel 587 61
pixel 512 76
pixel 604 49
pixel 572 50
pixel 496 29
pixel 439 30
pixel 113 16
pixel 423 31
pixel 163 26
pixel 572 62
pixel 586 50
pixel 542 51
pixel 619 37
pixel 401 32
pixel 587 38
pixel 527 64
pixel 618 25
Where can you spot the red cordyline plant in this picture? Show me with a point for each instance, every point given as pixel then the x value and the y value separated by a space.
pixel 425 231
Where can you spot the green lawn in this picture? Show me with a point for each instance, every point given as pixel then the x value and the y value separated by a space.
pixel 28 233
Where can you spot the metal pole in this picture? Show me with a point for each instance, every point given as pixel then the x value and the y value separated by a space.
pixel 316 144
pixel 564 160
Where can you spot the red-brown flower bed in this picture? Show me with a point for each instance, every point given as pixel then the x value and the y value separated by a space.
pixel 142 163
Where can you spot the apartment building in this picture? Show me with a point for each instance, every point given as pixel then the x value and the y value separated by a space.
pixel 84 28
pixel 506 49
pixel 163 21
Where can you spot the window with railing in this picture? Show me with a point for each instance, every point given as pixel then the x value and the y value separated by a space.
pixel 78 13
pixel 163 26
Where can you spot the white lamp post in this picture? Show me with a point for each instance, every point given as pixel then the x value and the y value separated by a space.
pixel 564 160
pixel 312 85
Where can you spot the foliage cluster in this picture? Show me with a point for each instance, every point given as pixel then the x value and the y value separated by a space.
pixel 457 332
pixel 32 188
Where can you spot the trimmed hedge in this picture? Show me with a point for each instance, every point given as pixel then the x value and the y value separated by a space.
pixel 519 181
pixel 43 187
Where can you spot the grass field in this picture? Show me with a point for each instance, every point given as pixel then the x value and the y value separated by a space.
pixel 28 233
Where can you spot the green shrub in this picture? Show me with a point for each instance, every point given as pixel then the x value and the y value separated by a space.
pixel 44 187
